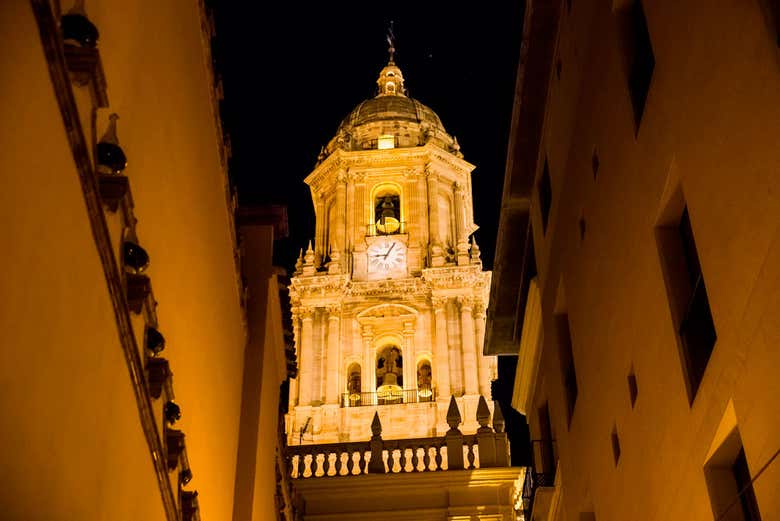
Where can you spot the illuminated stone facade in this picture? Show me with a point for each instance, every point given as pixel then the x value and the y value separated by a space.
pixel 389 299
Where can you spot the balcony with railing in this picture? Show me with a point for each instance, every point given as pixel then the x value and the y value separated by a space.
pixel 453 451
pixel 539 485
pixel 354 480
pixel 391 397
pixel 394 228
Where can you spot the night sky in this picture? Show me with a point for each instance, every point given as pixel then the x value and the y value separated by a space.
pixel 291 73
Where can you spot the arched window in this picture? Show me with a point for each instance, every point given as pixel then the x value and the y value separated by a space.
pixel 389 374
pixel 387 211
pixel 354 384
pixel 424 385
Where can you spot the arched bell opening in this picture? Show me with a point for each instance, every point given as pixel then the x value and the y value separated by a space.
pixel 354 395
pixel 387 210
pixel 389 374
pixel 424 380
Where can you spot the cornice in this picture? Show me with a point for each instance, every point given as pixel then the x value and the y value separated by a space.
pixel 409 159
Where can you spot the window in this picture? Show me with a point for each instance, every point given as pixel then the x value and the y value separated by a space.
pixel 544 450
pixel 632 387
pixel 567 363
pixel 424 377
pixel 354 384
pixel 545 195
pixel 729 482
pixel 640 59
pixel 594 162
pixel 387 212
pixel 688 299
pixel 771 10
pixel 615 445
pixel 385 141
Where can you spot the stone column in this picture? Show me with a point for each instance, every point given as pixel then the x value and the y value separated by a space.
pixel 320 248
pixel 421 195
pixel 468 346
pixel 462 238
pixel 293 394
pixel 306 357
pixel 441 364
pixel 333 360
pixel 409 358
pixel 350 227
pixel 368 371
pixel 433 217
pixel 483 362
pixel 338 235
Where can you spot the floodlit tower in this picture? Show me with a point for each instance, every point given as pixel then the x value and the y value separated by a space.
pixel 389 299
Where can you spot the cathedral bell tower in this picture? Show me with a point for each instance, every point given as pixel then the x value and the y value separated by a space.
pixel 389 299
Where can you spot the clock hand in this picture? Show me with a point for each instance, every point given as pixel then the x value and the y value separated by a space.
pixel 391 249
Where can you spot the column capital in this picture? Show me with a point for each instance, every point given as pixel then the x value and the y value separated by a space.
pixel 465 302
pixel 306 312
pixel 333 310
pixel 439 302
pixel 341 178
pixel 479 309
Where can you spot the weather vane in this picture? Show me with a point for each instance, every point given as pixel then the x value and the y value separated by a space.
pixel 391 42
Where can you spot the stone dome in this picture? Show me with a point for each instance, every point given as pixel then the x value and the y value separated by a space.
pixel 392 108
pixel 390 120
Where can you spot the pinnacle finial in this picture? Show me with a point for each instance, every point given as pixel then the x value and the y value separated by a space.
pixel 299 261
pixel 453 414
pixel 483 413
pixel 376 425
pixel 498 418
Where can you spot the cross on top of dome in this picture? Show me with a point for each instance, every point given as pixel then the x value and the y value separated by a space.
pixel 391 80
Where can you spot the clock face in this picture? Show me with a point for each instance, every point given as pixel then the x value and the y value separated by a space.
pixel 386 255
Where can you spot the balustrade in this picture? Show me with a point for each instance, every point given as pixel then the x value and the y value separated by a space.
pixel 406 455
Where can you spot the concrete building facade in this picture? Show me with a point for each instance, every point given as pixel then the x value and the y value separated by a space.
pixel 642 207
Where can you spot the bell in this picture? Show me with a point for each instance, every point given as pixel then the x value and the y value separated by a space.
pixel 135 258
pixel 155 341
pixel 111 158
pixel 76 27
pixel 172 412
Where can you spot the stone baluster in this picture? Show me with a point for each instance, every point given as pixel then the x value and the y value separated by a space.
pixel 469 349
pixel 376 465
pixel 486 441
pixel 442 360
pixel 454 438
pixel 502 445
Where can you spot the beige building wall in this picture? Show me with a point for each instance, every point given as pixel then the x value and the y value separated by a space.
pixel 709 129
pixel 73 442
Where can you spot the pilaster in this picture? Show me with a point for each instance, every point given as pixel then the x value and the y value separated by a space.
pixel 333 356
pixel 469 348
pixel 483 362
pixel 441 353
pixel 306 356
